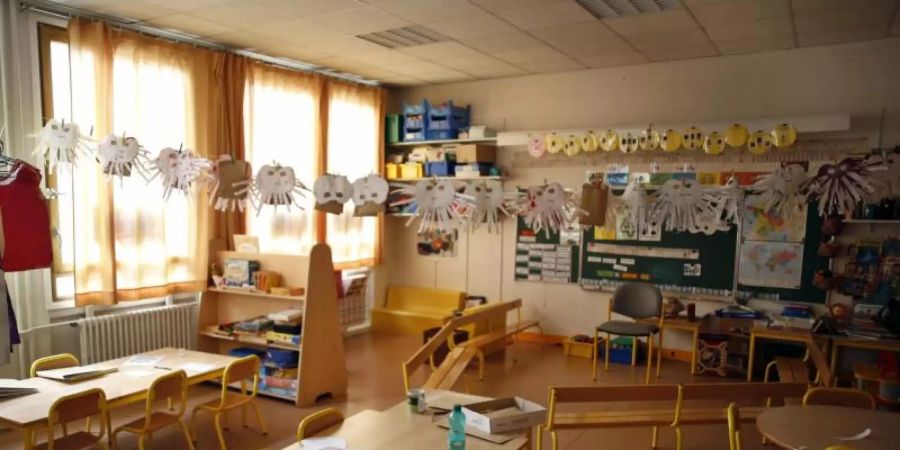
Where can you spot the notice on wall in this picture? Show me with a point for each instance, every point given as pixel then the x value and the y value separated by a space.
pixel 546 258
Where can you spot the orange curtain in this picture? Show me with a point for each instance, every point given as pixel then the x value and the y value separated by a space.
pixel 231 73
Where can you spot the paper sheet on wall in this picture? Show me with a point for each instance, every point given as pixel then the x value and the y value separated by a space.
pixel 626 227
pixel 760 224
pixel 771 264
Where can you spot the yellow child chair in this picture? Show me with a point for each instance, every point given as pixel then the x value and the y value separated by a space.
pixel 734 427
pixel 318 421
pixel 851 397
pixel 238 371
pixel 173 385
pixel 60 361
pixel 78 406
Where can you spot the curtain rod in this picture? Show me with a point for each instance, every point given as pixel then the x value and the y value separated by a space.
pixel 61 11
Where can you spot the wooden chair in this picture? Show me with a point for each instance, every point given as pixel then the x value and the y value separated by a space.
pixel 851 397
pixel 635 301
pixel 78 406
pixel 318 421
pixel 824 377
pixel 238 371
pixel 734 427
pixel 173 385
pixel 645 415
pixel 59 361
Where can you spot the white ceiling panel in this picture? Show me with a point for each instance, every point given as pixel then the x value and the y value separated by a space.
pixel 751 30
pixel 309 8
pixel 612 59
pixel 727 12
pixel 386 58
pixel 838 35
pixel 242 15
pixel 677 44
pixel 551 66
pixel 482 66
pixel 183 5
pixel 493 43
pixel 583 39
pixel 302 32
pixel 301 53
pixel 132 9
pixel 360 21
pixel 505 5
pixel 440 50
pixel 424 11
pixel 525 55
pixel 757 44
pixel 546 15
pixel 674 20
pixel 184 23
pixel 471 26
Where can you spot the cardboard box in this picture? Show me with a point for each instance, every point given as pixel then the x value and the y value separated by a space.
pixel 503 415
pixel 476 153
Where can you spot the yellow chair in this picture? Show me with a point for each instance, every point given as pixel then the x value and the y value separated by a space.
pixel 318 421
pixel 851 397
pixel 60 361
pixel 70 408
pixel 238 371
pixel 734 427
pixel 173 385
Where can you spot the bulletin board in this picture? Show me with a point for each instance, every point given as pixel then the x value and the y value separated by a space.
pixel 546 257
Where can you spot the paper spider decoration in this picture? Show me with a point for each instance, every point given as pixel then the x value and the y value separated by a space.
pixel 486 202
pixel 683 205
pixel 331 192
pixel 434 201
pixel 839 187
pixel 369 195
pixel 884 174
pixel 275 185
pixel 178 170
pixel 60 143
pixel 781 190
pixel 549 207
pixel 118 155
pixel 730 201
pixel 230 179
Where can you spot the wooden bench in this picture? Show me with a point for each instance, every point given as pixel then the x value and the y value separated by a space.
pixel 412 310
pixel 451 369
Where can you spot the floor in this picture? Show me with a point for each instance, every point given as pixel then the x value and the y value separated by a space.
pixel 373 362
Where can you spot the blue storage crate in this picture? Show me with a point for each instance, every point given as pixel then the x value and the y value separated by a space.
pixel 285 359
pixel 240 352
pixel 445 120
pixel 440 169
pixel 416 121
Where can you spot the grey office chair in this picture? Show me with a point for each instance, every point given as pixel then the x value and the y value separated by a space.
pixel 635 301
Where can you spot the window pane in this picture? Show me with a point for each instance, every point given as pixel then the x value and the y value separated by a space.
pixel 61 181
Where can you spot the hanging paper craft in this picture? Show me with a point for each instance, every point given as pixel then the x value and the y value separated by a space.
pixel 275 185
pixel 649 139
pixel 884 174
pixel 714 144
pixel 434 201
pixel 61 143
pixel 229 178
pixel 737 135
pixel 549 207
pixel 178 170
pixel 682 205
pixel 536 146
pixel 486 202
pixel 760 142
pixel 331 192
pixel 670 140
pixel 731 201
pixel 554 143
pixel 118 155
pixel 781 189
pixel 628 143
pixel 839 187
pixel 784 136
pixel 589 142
pixel 609 141
pixel 572 145
pixel 369 195
pixel 692 138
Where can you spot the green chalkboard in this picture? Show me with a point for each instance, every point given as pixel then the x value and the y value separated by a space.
pixel 546 257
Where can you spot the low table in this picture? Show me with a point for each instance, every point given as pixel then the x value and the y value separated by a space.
pixel 817 427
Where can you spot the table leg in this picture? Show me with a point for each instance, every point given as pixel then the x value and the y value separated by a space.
pixel 28 438
pixel 750 357
pixel 696 343
pixel 634 346
pixel 835 349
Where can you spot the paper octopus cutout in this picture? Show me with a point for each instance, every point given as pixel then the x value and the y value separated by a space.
pixel 487 203
pixel 839 187
pixel 549 207
pixel 435 202
pixel 61 144
pixel 331 192
pixel 178 170
pixel 119 155
pixel 275 185
pixel 884 174
pixel 229 177
pixel 730 201
pixel 781 190
pixel 684 205
pixel 369 195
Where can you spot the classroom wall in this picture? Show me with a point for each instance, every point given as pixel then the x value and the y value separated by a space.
pixel 859 79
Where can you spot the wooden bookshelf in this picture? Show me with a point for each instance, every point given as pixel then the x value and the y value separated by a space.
pixel 322 369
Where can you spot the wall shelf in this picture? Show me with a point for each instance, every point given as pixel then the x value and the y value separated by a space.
pixel 259 341
pixel 873 221
pixel 485 140
pixel 411 180
pixel 238 291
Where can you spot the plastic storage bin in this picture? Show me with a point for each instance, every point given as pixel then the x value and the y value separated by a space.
pixel 416 121
pixel 393 124
pixel 473 170
pixel 392 171
pixel 411 170
pixel 440 169
pixel 240 352
pixel 445 120
pixel 284 359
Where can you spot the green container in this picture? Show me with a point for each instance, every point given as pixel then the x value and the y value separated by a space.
pixel 393 132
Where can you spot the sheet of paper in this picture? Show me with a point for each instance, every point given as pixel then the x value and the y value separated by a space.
pixel 324 443
pixel 143 361
pixel 197 367
pixel 859 436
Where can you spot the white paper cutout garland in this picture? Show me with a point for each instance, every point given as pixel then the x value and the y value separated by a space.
pixel 435 202
pixel 331 192
pixel 178 169
pixel 119 156
pixel 61 143
pixel 275 185
pixel 781 190
pixel 369 195
pixel 486 202
pixel 549 207
pixel 839 187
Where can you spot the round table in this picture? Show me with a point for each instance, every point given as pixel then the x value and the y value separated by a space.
pixel 817 427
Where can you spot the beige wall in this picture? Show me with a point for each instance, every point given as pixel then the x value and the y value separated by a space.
pixel 859 79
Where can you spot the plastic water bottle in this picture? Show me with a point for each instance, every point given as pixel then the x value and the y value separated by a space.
pixel 457 439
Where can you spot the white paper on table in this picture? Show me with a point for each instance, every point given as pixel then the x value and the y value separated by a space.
pixel 324 443
pixel 859 436
pixel 197 367
pixel 143 361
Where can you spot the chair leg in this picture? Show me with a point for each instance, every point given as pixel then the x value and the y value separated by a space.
pixel 187 434
pixel 634 351
pixel 225 419
pixel 659 349
pixel 259 418
pixel 87 424
pixel 114 439
pixel 244 416
pixel 649 358
pixel 678 438
pixel 194 425
pixel 169 404
pixel 594 357
pixel 554 440
pixel 606 353
pixel 218 423
pixel 142 442
pixel 480 365
pixel 538 437
pixel 655 439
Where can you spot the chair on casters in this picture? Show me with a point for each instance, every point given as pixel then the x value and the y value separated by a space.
pixel 318 421
pixel 172 385
pixel 77 406
pixel 238 371
pixel 635 301
pixel 851 397
pixel 734 427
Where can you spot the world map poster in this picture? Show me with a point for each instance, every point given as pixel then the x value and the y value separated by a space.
pixel 761 224
pixel 771 264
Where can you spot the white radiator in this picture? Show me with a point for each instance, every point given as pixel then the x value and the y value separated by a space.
pixel 117 335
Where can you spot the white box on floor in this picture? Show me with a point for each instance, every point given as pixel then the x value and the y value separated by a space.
pixel 503 415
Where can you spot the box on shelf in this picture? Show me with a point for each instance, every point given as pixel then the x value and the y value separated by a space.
pixel 578 349
pixel 476 153
pixel 239 272
pixel 480 132
pixel 440 169
pixel 285 359
pixel 411 170
pixel 418 154
pixel 473 170
pixel 392 171
pixel 415 121
pixel 504 415
pixel 393 125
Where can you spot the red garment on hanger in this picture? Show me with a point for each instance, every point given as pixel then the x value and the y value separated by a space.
pixel 26 220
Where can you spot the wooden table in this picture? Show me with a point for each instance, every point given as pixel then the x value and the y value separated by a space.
pixel 399 429
pixel 682 324
pixel 842 341
pixel 128 385
pixel 778 334
pixel 818 427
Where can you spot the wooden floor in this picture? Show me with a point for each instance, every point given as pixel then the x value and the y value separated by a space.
pixel 376 383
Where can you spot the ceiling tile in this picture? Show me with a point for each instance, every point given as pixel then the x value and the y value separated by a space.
pixel 471 26
pixel 301 32
pixel 348 45
pixel 483 66
pixel 190 25
pixel 675 44
pixel 726 12
pixel 402 81
pixel 309 8
pixel 757 44
pixel 360 21
pixel 248 40
pixel 300 53
pixel 839 35
pixel 422 11
pixel 493 43
pixel 339 63
pixel 673 20
pixel 133 9
pixel 383 57
pixel 546 15
pixel 502 5
pixel 447 76
pixel 751 29
pixel 242 15
pixel 560 65
pixel 525 55
pixel 182 5
pixel 582 39
pixel 439 50
pixel 826 15
pixel 807 7
pixel 613 59
pixel 419 67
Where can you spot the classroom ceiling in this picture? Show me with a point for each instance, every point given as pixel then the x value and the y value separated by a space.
pixel 413 42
